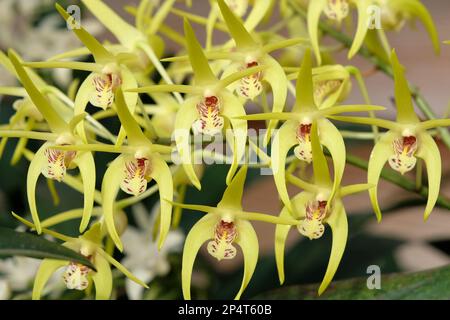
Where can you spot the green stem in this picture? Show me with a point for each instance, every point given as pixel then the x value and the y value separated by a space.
pixel 381 65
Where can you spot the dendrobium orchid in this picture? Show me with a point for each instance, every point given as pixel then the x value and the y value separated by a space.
pixel 78 276
pixel 223 226
pixel 140 161
pixel 296 131
pixel 406 140
pixel 314 208
pixel 107 74
pixel 208 105
pixel 372 14
pixel 48 160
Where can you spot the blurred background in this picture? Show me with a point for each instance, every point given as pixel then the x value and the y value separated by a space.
pixel 401 242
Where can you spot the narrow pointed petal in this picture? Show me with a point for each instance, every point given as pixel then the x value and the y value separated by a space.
pixel 304 88
pixel 54 120
pixel 256 216
pixel 417 9
pixel 273 46
pixel 120 267
pixel 232 197
pixel 314 11
pixel 276 78
pixel 167 88
pixel 259 11
pixel 332 139
pixel 34 171
pixel 355 188
pixel 281 232
pixel 163 177
pixel 349 108
pixel 361 28
pixel 248 241
pixel 232 109
pixel 45 271
pixel 379 156
pixel 102 279
pixel 339 227
pixel 123 31
pixel 429 152
pixel 320 165
pixel 403 100
pixel 236 28
pixel 110 187
pixel 202 71
pixel 233 77
pixel 81 100
pixel 196 207
pixel 132 128
pixel 74 65
pixel 86 164
pixel 382 123
pixel 202 231
pixel 283 141
pixel 431 124
pixel 186 116
pixel 270 116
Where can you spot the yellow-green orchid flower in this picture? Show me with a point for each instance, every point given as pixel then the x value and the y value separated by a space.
pixel 224 226
pixel 76 275
pixel 297 130
pixel 313 208
pixel 139 162
pixel 107 73
pixel 208 105
pixel 392 14
pixel 48 160
pixel 405 140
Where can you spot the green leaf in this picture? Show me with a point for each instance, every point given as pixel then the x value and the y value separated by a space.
pixel 28 245
pixel 426 285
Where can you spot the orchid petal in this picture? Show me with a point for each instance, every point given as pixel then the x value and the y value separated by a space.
pixel 355 188
pixel 232 109
pixel 434 123
pixel 238 32
pixel 379 156
pixel 81 100
pixel 283 141
pixel 102 278
pixel 281 232
pixel 260 9
pixel 248 241
pixel 362 27
pixel 403 100
pixel 163 177
pixel 370 121
pixel 54 120
pixel 202 231
pixel 110 187
pixel 86 165
pixel 202 71
pixel 232 197
pixel 123 31
pixel 276 78
pixel 304 88
pixel 429 152
pixel 349 108
pixel 339 227
pixel 314 11
pixel 320 165
pixel 186 116
pixel 45 271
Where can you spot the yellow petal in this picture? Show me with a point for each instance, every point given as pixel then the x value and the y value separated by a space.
pixel 314 11
pixel 45 271
pixel 86 164
pixel 283 141
pixel 232 197
pixel 429 152
pixel 339 227
pixel 202 231
pixel 163 177
pixel 304 88
pixel 110 187
pixel 102 278
pixel 248 241
pixel 361 29
pixel 320 165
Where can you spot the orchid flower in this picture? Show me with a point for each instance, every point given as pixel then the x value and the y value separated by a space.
pixel 296 131
pixel 107 74
pixel 48 160
pixel 406 140
pixel 393 14
pixel 78 276
pixel 208 105
pixel 139 162
pixel 225 225
pixel 314 208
